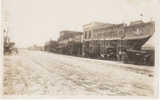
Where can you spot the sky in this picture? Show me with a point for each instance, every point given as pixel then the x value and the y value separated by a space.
pixel 37 21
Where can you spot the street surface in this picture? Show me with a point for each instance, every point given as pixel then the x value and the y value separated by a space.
pixel 43 73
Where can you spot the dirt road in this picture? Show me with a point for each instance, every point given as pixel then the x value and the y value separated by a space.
pixel 42 73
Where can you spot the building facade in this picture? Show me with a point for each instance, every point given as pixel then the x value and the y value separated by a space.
pixel 70 42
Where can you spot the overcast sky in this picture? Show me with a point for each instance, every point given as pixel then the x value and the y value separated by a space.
pixel 36 21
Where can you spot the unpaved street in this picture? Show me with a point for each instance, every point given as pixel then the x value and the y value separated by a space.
pixel 42 73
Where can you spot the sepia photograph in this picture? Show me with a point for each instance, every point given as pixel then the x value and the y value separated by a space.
pixel 80 48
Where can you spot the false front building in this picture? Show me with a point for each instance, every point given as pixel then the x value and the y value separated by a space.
pixel 105 39
pixel 70 42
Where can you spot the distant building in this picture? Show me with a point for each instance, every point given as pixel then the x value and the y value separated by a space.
pixel 36 47
pixel 70 36
pixel 51 46
pixel 70 42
